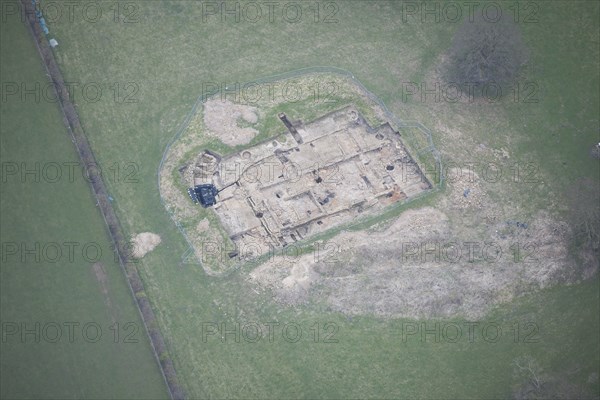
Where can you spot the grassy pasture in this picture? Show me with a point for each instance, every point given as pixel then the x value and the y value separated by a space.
pixel 55 289
pixel 171 54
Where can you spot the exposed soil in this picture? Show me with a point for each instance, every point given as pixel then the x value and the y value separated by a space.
pixel 99 271
pixel 420 266
pixel 203 226
pixel 405 267
pixel 222 119
pixel 143 243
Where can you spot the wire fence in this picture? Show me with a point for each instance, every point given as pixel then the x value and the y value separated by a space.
pixel 391 118
pixel 104 202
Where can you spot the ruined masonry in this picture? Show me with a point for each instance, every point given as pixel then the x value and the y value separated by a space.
pixel 312 178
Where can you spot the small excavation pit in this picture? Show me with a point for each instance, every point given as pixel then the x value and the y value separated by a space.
pixel 313 177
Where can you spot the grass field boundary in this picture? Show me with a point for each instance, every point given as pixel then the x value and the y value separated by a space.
pixel 134 282
pixel 189 256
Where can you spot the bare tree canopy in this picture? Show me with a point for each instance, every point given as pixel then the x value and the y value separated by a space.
pixel 485 52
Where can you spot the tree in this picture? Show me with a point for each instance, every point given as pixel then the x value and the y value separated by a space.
pixel 528 369
pixel 533 383
pixel 485 53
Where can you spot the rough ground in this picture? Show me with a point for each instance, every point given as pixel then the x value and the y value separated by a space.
pixel 99 271
pixel 236 124
pixel 407 267
pixel 143 243
pixel 420 265
pixel 222 119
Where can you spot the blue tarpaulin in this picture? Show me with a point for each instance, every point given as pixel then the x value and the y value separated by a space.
pixel 40 17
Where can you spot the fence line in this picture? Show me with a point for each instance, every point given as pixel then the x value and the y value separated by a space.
pixel 203 97
pixel 84 150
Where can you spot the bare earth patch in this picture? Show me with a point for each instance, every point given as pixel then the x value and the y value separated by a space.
pixel 234 124
pixel 143 243
pixel 101 277
pixel 476 248
pixel 202 226
pixel 418 267
pixel 99 271
pixel 222 119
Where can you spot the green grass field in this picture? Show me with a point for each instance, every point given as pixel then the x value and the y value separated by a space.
pixel 169 54
pixel 49 293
